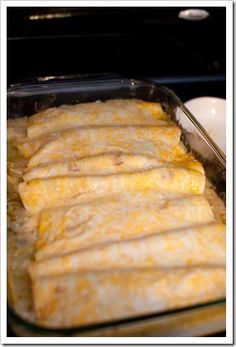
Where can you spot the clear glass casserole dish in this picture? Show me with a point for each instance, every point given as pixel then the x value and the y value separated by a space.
pixel 27 98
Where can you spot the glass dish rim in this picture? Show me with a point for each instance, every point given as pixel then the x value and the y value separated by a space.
pixel 111 323
pixel 48 81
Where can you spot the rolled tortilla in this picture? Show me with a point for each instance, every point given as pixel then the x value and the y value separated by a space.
pixel 102 164
pixel 82 142
pixel 105 164
pixel 71 228
pixel 200 245
pixel 111 112
pixel 91 297
pixel 40 193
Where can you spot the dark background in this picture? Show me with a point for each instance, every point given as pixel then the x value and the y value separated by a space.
pixel 152 43
pixel 188 56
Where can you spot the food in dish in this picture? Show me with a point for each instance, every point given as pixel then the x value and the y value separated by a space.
pixel 105 295
pixel 105 204
pixel 116 217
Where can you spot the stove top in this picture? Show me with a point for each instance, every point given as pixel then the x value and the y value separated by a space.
pixel 152 43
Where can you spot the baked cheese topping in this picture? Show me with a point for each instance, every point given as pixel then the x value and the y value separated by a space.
pixel 182 247
pixel 109 216
pixel 73 299
pixel 111 112
pixel 82 142
pixel 38 193
pixel 108 163
pixel 75 227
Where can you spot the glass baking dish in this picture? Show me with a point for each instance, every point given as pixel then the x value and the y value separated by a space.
pixel 33 96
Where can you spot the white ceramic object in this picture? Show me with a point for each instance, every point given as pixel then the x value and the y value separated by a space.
pixel 211 113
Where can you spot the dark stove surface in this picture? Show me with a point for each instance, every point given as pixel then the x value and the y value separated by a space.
pixel 139 42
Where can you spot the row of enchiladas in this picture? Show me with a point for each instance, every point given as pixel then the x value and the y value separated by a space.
pixel 122 222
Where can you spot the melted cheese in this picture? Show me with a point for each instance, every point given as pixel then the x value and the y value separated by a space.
pixel 120 192
pixel 105 164
pixel 78 298
pixel 117 217
pixel 111 112
pixel 38 193
pixel 81 142
pixel 201 245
